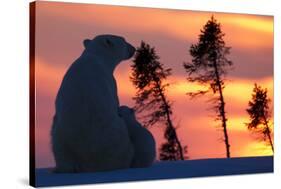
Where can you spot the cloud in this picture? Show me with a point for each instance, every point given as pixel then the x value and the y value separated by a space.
pixel 60 43
pixel 172 32
pixel 179 23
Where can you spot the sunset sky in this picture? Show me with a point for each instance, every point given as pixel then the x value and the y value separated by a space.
pixel 62 27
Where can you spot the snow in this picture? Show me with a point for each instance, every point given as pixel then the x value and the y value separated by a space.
pixel 161 170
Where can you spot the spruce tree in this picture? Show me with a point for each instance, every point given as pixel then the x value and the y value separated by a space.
pixel 258 111
pixel 208 68
pixel 151 100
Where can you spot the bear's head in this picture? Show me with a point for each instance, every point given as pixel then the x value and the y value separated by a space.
pixel 125 111
pixel 110 46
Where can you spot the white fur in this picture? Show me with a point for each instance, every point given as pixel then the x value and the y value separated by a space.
pixel 87 133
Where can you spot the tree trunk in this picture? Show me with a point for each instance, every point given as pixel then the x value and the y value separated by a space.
pixel 268 133
pixel 222 111
pixel 171 125
pixel 158 86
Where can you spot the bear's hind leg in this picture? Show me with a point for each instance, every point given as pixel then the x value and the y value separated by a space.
pixel 63 160
pixel 145 150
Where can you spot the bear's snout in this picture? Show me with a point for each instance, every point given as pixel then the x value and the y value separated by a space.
pixel 131 50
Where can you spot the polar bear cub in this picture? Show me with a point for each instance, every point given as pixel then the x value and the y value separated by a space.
pixel 88 134
pixel 142 139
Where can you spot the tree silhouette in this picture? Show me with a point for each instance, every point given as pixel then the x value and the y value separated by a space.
pixel 209 67
pixel 147 76
pixel 258 111
pixel 169 150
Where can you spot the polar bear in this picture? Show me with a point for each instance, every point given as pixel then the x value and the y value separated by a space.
pixel 88 133
pixel 142 139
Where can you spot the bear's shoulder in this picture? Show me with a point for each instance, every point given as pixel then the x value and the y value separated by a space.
pixel 84 66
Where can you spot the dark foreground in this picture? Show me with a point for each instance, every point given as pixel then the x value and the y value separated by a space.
pixel 161 170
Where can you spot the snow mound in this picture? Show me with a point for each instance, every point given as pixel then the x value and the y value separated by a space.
pixel 161 170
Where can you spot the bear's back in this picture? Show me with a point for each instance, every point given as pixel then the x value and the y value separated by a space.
pixel 86 84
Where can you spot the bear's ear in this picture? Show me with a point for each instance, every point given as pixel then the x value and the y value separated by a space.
pixel 86 42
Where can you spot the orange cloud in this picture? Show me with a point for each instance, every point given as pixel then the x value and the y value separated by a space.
pixel 238 90
pixel 260 24
pixel 246 31
pixel 47 77
pixel 256 148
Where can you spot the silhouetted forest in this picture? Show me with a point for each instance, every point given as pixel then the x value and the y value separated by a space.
pixel 208 68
